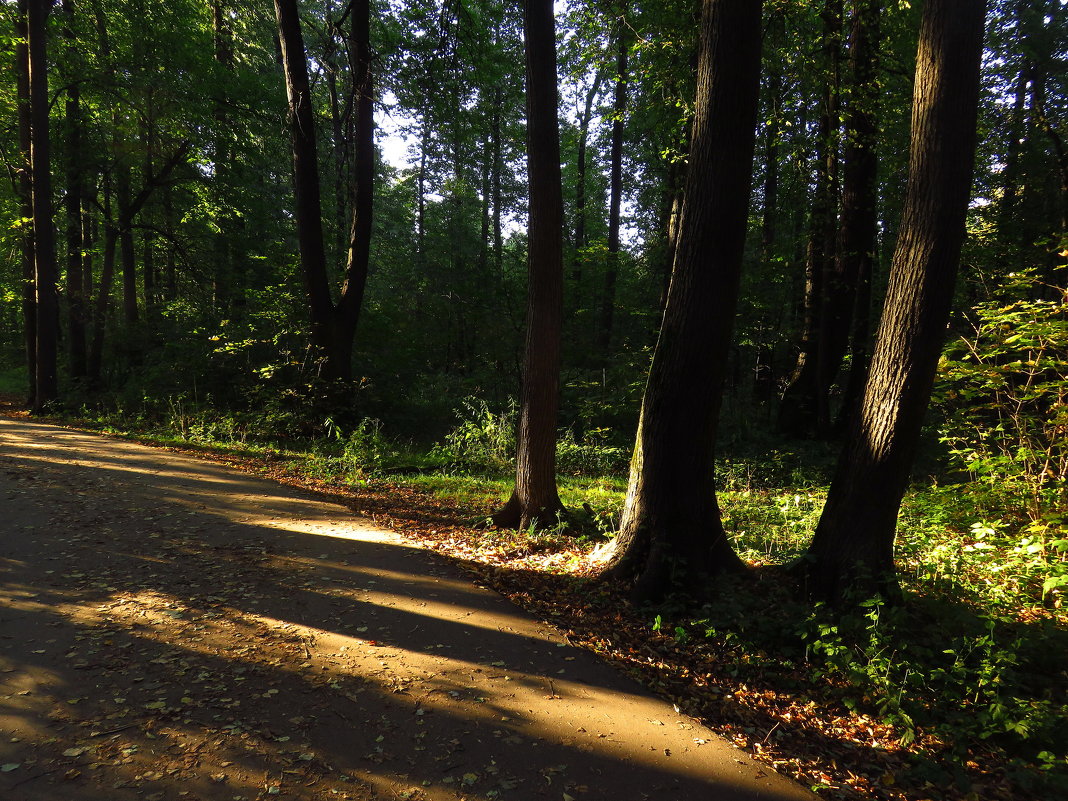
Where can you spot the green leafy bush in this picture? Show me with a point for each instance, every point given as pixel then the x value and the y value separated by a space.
pixel 1003 392
pixel 483 439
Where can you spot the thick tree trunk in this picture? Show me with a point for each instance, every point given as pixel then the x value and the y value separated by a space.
pixel 615 196
pixel 535 500
pixel 671 537
pixel 46 270
pixel 854 542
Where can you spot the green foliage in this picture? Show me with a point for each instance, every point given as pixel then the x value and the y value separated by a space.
pixel 1003 394
pixel 948 680
pixel 590 455
pixel 1003 390
pixel 979 683
pixel 483 440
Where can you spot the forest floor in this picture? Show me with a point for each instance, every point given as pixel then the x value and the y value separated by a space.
pixel 173 628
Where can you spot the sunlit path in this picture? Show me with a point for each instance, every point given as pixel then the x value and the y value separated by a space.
pixel 173 629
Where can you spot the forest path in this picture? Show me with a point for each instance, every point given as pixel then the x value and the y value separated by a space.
pixel 174 629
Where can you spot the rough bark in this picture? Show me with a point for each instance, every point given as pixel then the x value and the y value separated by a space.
pixel 534 500
pixel 671 536
pixel 45 267
pixel 854 542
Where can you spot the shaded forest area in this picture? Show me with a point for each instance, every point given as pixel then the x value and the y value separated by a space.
pixel 812 252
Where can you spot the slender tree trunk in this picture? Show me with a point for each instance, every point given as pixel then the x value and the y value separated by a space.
pixel 222 253
pixel 75 283
pixel 103 296
pixel 615 196
pixel 46 270
pixel 420 200
pixel 25 193
pixel 673 194
pixel 498 169
pixel 308 203
pixel 801 403
pixel 857 228
pixel 854 541
pixel 88 240
pixel 126 245
pixel 580 182
pixel 671 536
pixel 772 135
pixel 1010 176
pixel 535 500
pixel 486 213
pixel 347 313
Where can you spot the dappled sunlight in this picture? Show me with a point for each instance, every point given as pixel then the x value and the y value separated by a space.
pixel 235 638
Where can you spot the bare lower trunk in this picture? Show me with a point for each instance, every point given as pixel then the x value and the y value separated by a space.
pixel 535 500
pixel 671 537
pixel 854 543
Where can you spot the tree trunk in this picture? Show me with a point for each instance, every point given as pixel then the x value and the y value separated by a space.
pixel 76 299
pixel 672 213
pixel 770 209
pixel 222 255
pixel 347 313
pixel 615 196
pixel 307 200
pixel 498 169
pixel 25 194
pixel 580 182
pixel 170 270
pixel 671 536
pixel 103 298
pixel 535 500
pixel 854 543
pixel 126 245
pixel 801 403
pixel 46 271
pixel 857 228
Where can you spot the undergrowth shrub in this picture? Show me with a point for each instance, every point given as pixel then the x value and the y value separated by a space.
pixel 1003 395
pixel 483 439
pixel 952 682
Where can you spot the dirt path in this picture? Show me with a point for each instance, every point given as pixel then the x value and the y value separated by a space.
pixel 172 629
